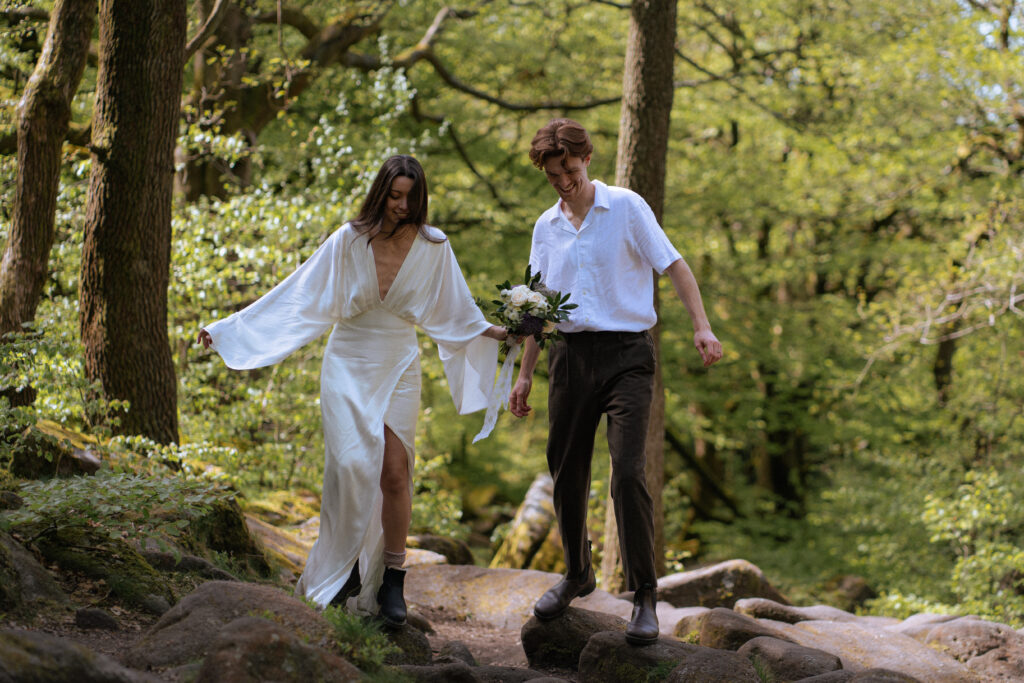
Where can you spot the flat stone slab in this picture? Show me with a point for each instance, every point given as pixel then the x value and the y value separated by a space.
pixel 861 648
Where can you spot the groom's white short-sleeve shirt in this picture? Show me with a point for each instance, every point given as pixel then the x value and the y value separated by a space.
pixel 607 264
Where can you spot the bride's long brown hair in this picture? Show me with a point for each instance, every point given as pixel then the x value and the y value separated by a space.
pixel 371 214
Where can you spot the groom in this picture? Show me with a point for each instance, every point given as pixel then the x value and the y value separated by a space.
pixel 602 243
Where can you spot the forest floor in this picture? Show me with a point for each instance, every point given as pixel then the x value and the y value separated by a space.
pixel 490 646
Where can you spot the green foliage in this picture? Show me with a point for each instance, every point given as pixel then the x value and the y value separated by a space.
pixel 842 180
pixel 360 640
pixel 436 506
pixel 123 506
pixel 762 670
pixel 51 363
pixel 981 521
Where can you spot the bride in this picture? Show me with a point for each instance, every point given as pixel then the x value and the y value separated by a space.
pixel 371 282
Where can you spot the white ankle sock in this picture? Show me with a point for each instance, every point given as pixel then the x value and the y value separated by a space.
pixel 394 560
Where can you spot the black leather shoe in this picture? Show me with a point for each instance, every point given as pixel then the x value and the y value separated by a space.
pixel 352 587
pixel 643 627
pixel 556 600
pixel 391 597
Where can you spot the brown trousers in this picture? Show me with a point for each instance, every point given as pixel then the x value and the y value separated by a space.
pixel 595 373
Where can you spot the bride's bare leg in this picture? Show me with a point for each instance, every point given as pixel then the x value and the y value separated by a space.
pixel 396 510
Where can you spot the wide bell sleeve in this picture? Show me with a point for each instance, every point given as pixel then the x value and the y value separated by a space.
pixel 455 323
pixel 298 310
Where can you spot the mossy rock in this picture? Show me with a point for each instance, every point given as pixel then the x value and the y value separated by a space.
pixel 24 583
pixel 223 531
pixel 46 449
pixel 97 556
pixel 10 595
pixel 549 556
pixel 284 508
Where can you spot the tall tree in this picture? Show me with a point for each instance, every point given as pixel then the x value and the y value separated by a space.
pixel 647 90
pixel 44 115
pixel 126 254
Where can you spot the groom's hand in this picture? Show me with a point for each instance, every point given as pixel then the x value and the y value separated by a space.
pixel 708 346
pixel 517 399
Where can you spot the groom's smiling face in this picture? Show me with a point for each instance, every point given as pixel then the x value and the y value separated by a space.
pixel 568 176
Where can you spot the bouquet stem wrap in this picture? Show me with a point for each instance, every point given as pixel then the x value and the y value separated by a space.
pixel 499 392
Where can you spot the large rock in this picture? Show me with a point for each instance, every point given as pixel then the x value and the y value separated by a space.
pixel 253 650
pixel 989 648
pixel 34 657
pixel 23 581
pixel 719 585
pixel 559 642
pixel 862 648
pixel 785 661
pixel 501 598
pixel 724 629
pixel 608 658
pixel 186 633
pixel 762 608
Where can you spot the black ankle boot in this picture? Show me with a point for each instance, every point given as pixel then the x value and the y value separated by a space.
pixel 643 627
pixel 352 587
pixel 391 599
pixel 554 603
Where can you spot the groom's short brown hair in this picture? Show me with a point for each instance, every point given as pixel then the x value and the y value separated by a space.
pixel 560 138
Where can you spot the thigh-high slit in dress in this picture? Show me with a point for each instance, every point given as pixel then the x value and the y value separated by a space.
pixel 370 378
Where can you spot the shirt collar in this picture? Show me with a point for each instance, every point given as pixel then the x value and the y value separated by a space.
pixel 601 201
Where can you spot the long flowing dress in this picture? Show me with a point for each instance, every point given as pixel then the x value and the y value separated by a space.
pixel 370 378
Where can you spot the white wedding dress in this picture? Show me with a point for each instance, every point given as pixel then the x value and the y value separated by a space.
pixel 370 378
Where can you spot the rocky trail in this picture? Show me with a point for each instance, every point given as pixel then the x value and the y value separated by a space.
pixel 93 609
pixel 471 623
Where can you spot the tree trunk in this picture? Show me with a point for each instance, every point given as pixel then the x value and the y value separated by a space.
pixel 43 118
pixel 643 145
pixel 126 254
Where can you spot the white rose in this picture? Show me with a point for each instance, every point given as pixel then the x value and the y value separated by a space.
pixel 537 299
pixel 520 295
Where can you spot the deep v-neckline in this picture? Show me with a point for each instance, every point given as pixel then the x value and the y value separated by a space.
pixel 398 273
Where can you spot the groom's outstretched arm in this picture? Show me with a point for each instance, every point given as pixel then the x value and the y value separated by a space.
pixel 685 284
pixel 521 391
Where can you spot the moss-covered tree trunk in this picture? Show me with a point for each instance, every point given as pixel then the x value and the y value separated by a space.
pixel 126 254
pixel 643 145
pixel 44 115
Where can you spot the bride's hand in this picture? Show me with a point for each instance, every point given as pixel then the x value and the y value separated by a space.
pixel 205 339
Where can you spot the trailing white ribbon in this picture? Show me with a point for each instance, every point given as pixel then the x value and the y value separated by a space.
pixel 499 393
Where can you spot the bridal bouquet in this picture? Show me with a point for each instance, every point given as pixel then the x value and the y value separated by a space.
pixel 531 309
pixel 526 310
